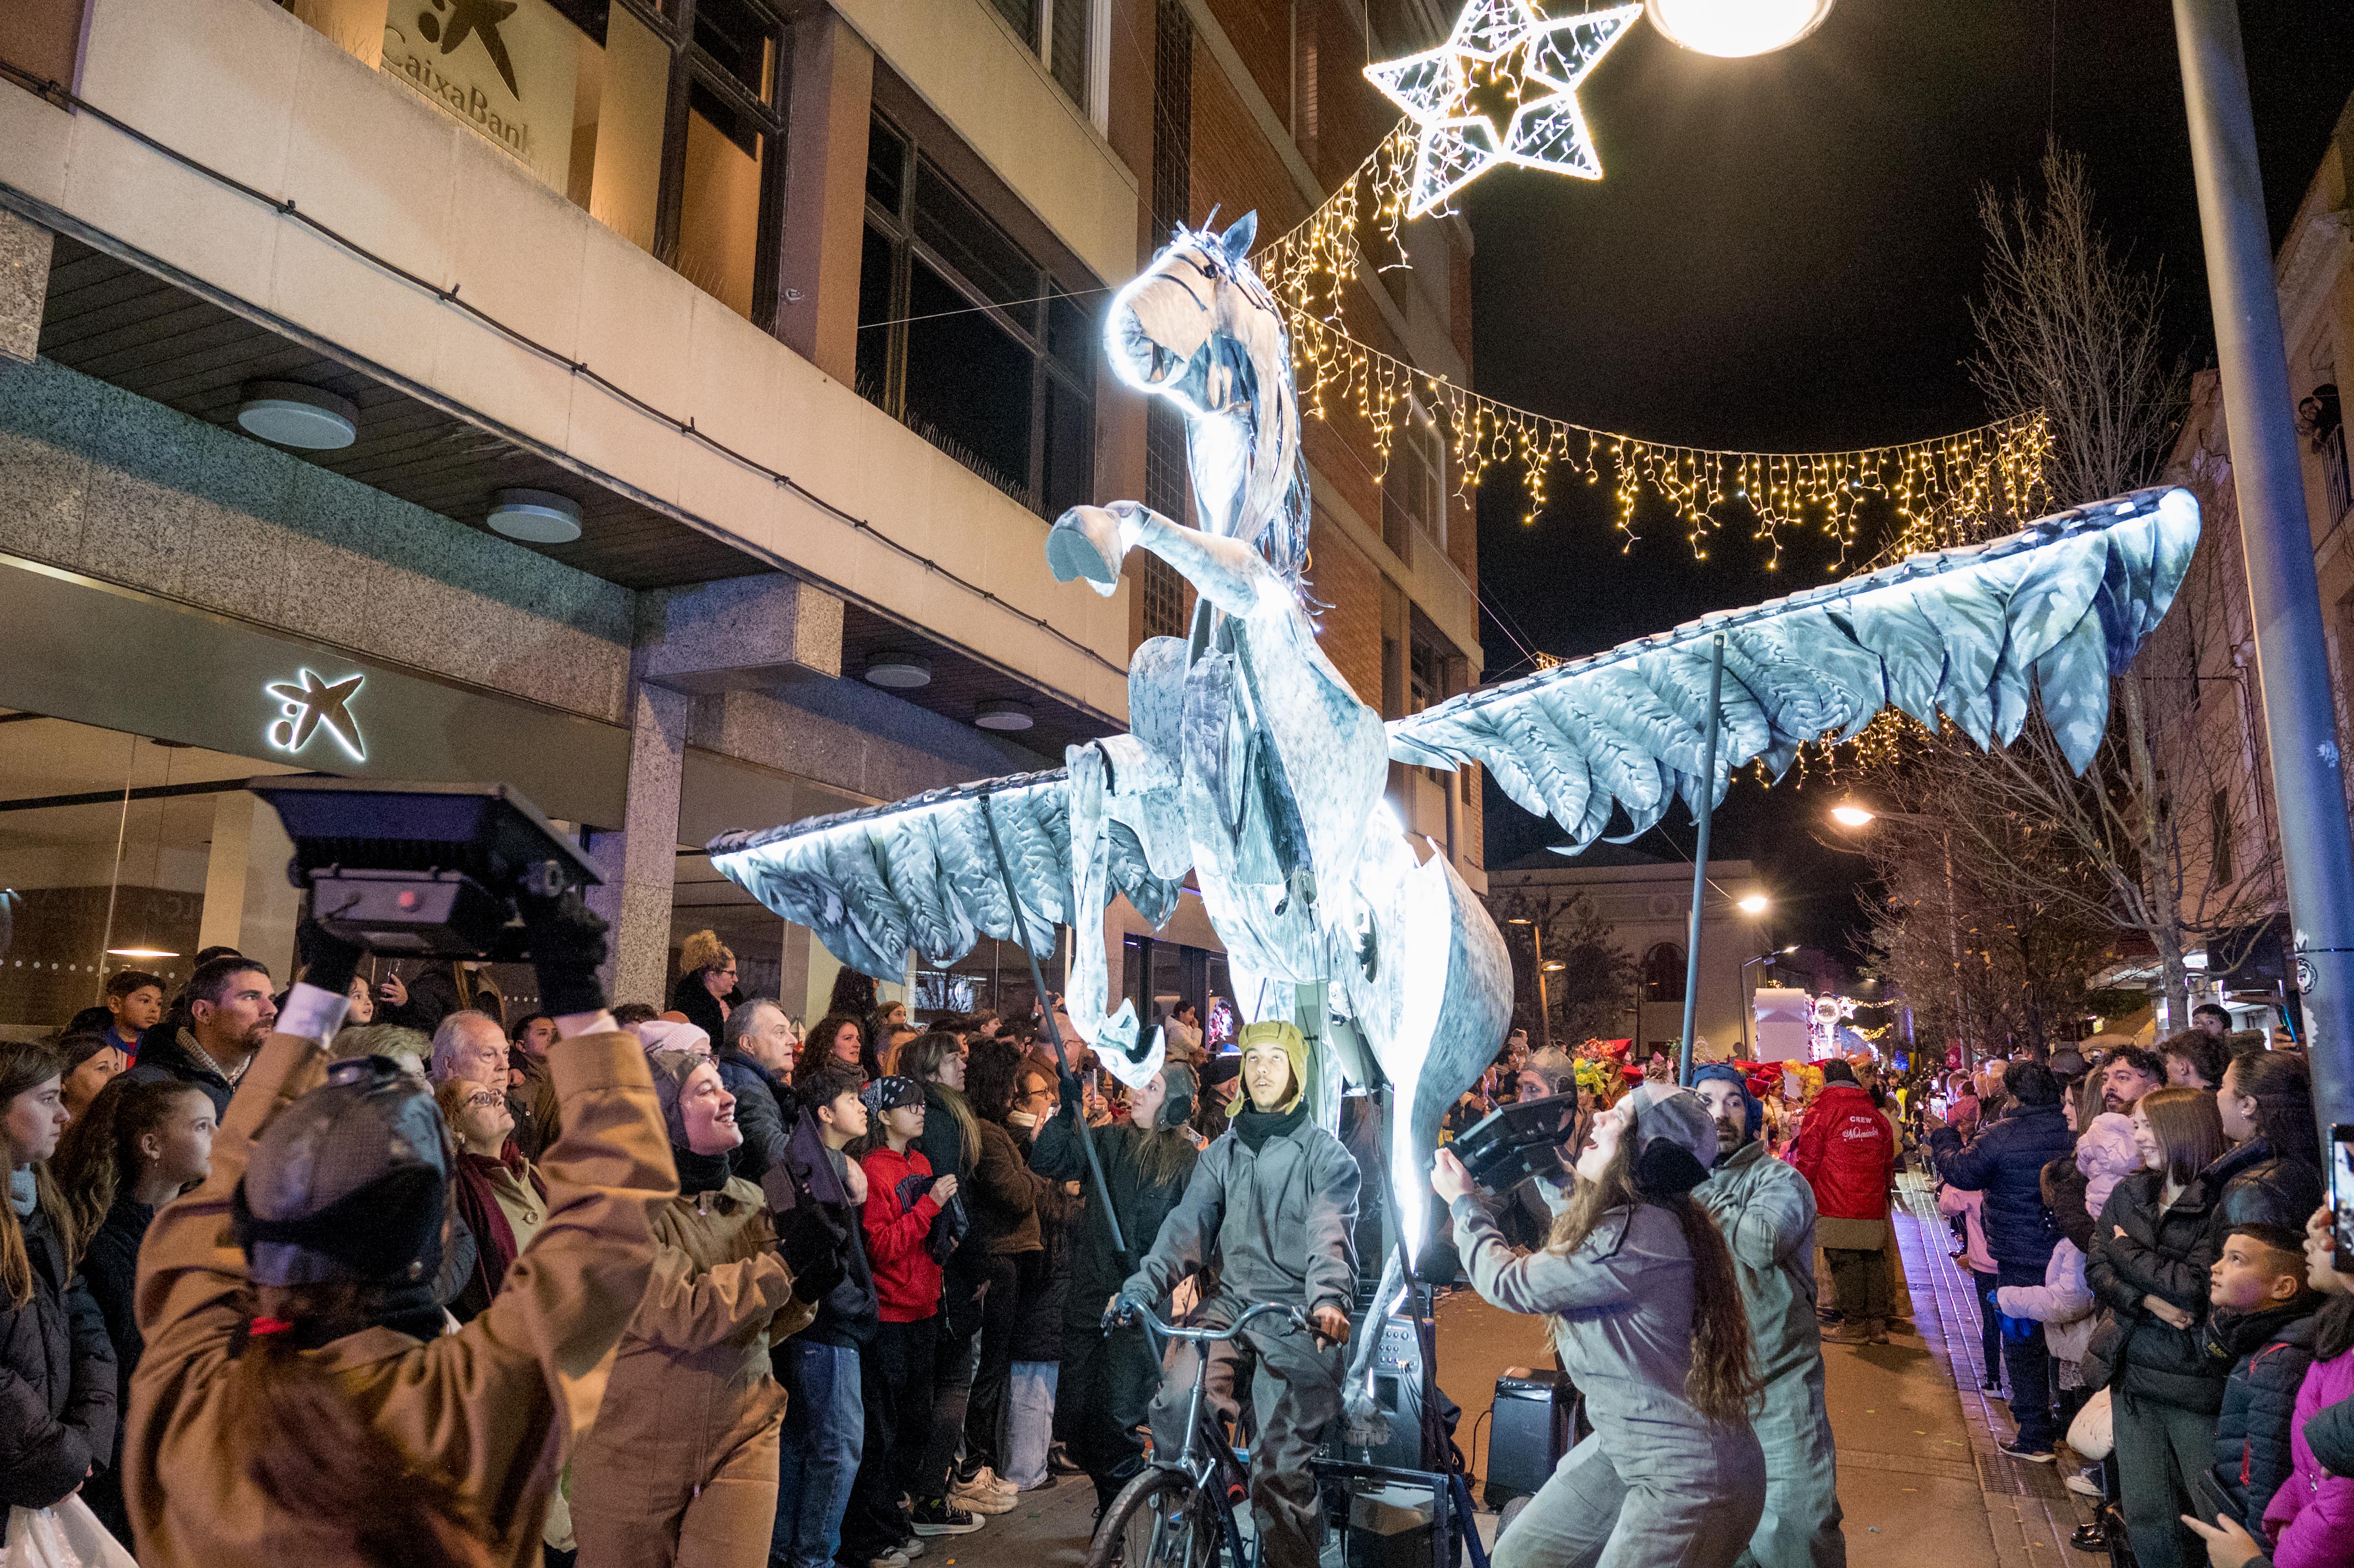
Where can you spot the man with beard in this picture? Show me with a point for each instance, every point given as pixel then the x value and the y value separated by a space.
pixel 230 1015
pixel 2130 1073
pixel 1766 1211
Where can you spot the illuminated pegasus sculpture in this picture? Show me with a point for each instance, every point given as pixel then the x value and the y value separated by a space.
pixel 1254 769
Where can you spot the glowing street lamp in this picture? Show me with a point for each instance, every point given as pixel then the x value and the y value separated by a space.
pixel 1732 29
pixel 1848 814
pixel 1752 903
pixel 1545 1002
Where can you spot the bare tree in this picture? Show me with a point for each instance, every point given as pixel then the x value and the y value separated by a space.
pixel 1595 986
pixel 2071 327
pixel 2162 839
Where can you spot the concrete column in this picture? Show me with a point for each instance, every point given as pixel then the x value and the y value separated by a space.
pixel 222 924
pixel 25 248
pixel 825 195
pixel 640 861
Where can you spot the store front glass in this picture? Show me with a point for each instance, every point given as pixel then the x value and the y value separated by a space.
pixel 126 852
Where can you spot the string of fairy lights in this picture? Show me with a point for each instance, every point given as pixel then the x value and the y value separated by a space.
pixel 1935 487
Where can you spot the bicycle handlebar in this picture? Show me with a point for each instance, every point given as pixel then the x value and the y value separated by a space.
pixel 1152 1320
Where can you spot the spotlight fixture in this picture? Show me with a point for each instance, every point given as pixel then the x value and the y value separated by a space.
pixel 898 672
pixel 1005 717
pixel 534 516
pixel 1733 28
pixel 289 413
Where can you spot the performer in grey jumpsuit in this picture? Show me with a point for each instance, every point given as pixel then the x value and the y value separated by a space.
pixel 1656 1483
pixel 1767 1211
pixel 1278 1197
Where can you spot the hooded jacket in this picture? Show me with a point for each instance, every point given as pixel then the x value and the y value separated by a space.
pixel 1141 1204
pixel 2164 1253
pixel 1846 1152
pixel 494 1406
pixel 2106 1155
pixel 2269 1353
pixel 1280 1220
pixel 2312 1514
pixel 2260 1187
pixel 805 1175
pixel 1767 1211
pixel 57 1378
pixel 2005 1162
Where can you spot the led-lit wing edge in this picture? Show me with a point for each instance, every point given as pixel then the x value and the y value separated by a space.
pixel 2057 607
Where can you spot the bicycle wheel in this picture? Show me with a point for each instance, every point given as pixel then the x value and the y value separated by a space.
pixel 1160 1520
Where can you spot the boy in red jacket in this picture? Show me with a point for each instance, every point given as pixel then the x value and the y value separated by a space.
pixel 895 1372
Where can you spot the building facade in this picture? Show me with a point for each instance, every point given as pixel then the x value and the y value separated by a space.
pixel 657 405
pixel 2197 675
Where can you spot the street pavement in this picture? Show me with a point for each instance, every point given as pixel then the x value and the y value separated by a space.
pixel 1921 1481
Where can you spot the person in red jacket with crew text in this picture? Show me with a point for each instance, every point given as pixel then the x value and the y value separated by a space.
pixel 903 1198
pixel 1845 1152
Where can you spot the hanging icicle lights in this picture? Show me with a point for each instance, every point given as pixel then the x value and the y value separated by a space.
pixel 1993 470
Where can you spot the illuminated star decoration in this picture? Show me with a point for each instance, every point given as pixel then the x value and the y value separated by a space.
pixel 1509 44
pixel 314 705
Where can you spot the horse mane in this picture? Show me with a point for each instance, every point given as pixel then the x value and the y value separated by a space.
pixel 1283 537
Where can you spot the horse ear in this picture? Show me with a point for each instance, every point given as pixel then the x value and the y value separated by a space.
pixel 1237 239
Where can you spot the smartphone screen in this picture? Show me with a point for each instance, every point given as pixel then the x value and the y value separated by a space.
pixel 2341 1192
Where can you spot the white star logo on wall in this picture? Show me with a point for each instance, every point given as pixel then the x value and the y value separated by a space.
pixel 1507 47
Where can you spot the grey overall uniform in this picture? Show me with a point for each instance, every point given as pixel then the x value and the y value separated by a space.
pixel 1656 1484
pixel 1767 1211
pixel 1281 1221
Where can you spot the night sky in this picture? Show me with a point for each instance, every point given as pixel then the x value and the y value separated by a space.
pixel 1780 257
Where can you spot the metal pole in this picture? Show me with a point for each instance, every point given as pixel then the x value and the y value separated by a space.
pixel 1700 849
pixel 1544 1002
pixel 2292 639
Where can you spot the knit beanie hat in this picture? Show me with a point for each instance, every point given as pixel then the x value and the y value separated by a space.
pixel 1726 1073
pixel 1294 1047
pixel 1178 1108
pixel 670 1070
pixel 672 1034
pixel 348 1183
pixel 1675 1139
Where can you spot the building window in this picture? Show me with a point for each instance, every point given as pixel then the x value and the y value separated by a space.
pixel 1426 672
pixel 1414 489
pixel 664 119
pixel 1058 32
pixel 2323 422
pixel 1663 973
pixel 1164 598
pixel 2218 831
pixel 966 340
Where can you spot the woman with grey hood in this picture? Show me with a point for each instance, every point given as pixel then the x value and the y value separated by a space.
pixel 1652 1332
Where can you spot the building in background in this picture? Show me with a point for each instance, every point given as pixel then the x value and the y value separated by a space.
pixel 658 404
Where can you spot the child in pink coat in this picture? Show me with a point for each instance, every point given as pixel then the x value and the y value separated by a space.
pixel 2311 1517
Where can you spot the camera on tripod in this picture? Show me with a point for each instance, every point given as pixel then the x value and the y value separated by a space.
pixel 428 871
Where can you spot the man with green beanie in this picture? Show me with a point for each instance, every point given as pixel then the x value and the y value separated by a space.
pixel 1273 1200
pixel 1767 1211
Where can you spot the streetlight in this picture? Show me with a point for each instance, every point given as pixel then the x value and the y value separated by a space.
pixel 1748 997
pixel 1732 29
pixel 1545 1003
pixel 1848 814
pixel 1751 903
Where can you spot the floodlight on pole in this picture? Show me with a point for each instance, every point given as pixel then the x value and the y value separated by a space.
pixel 1732 29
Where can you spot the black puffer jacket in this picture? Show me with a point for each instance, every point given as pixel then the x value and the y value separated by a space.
pixel 2005 1162
pixel 1141 1203
pixel 2260 1187
pixel 2165 1253
pixel 110 1268
pixel 57 1379
pixel 2268 1352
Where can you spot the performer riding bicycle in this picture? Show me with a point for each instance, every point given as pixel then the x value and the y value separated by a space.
pixel 1275 1199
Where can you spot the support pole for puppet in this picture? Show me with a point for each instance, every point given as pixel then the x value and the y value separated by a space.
pixel 1702 812
pixel 1054 1038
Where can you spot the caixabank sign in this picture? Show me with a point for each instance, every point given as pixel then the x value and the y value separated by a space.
pixel 508 69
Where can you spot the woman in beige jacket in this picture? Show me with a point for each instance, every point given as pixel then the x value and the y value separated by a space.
pixel 681 1468
pixel 297 1402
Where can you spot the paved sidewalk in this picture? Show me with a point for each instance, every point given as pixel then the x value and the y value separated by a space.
pixel 1921 1479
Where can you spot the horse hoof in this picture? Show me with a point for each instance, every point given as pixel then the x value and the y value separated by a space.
pixel 1085 542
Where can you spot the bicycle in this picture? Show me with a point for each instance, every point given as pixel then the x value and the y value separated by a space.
pixel 1178 1512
